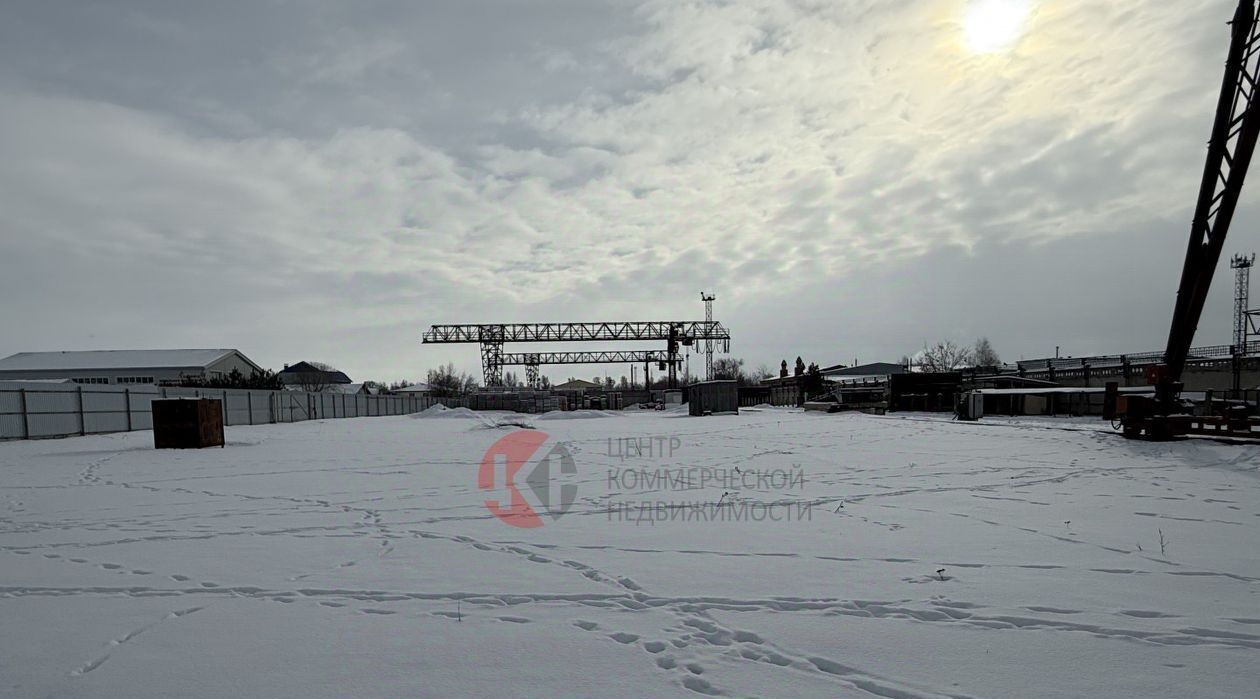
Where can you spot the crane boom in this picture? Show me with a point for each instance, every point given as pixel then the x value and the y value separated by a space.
pixel 1234 136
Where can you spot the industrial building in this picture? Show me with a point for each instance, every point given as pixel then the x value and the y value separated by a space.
pixel 576 386
pixel 874 370
pixel 159 367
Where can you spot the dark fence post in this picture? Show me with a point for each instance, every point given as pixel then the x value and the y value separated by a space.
pixel 26 420
pixel 82 417
pixel 127 400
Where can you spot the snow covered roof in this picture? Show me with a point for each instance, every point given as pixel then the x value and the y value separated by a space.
pixel 351 388
pixel 414 388
pixel 873 369
pixel 1038 391
pixel 113 359
pixel 845 379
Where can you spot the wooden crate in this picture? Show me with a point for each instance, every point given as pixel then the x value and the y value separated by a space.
pixel 182 423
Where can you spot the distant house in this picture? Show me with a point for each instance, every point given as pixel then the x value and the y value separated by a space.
pixel 577 386
pixel 421 389
pixel 126 367
pixel 305 376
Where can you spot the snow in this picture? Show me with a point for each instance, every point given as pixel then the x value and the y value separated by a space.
pixel 442 412
pixel 355 557
pixel 576 414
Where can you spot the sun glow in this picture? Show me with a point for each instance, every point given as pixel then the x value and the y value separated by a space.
pixel 994 25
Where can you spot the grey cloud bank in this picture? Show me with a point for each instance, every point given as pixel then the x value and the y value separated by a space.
pixel 326 180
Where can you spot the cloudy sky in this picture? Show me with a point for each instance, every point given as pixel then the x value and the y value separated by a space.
pixel 323 180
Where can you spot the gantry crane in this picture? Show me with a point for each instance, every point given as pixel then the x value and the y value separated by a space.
pixel 492 336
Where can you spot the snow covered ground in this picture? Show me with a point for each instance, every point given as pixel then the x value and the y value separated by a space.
pixel 849 555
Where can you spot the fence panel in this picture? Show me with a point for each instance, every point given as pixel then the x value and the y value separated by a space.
pixel 13 414
pixel 38 409
pixel 104 411
pixel 53 412
pixel 142 406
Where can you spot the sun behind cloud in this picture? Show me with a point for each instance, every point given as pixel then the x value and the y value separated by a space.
pixel 990 26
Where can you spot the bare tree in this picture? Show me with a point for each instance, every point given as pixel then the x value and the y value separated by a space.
pixel 760 374
pixel 446 382
pixel 729 368
pixel 984 354
pixel 944 356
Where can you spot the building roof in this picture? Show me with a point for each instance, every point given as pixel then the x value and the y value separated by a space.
pixel 575 384
pixel 295 371
pixel 873 369
pixel 351 388
pixel 116 359
pixel 414 388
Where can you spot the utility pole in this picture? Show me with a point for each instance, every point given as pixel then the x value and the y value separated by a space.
pixel 708 343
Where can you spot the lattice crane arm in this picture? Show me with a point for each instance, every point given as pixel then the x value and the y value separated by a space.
pixel 1234 135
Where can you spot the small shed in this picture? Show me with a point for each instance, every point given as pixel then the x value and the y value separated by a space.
pixel 713 398
pixel 187 423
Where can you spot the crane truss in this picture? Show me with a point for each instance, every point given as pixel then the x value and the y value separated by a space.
pixel 532 360
pixel 610 357
pixel 684 331
pixel 1234 135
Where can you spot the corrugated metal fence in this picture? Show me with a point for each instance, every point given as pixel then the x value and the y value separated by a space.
pixel 30 410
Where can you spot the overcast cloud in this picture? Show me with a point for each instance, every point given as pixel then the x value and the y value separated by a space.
pixel 322 181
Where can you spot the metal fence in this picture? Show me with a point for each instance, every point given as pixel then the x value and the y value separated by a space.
pixel 31 410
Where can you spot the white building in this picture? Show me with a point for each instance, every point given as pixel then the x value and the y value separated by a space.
pixel 161 367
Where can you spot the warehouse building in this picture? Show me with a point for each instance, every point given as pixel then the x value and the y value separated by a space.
pixel 876 370
pixel 126 367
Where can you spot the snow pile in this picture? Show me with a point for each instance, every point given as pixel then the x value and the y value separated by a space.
pixel 576 415
pixel 443 412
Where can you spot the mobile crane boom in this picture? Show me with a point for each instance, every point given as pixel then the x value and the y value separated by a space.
pixel 1234 135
